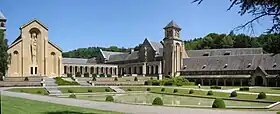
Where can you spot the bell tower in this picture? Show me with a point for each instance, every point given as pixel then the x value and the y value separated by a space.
pixel 173 50
pixel 2 22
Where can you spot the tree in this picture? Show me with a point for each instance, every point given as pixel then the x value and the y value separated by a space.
pixel 4 56
pixel 258 9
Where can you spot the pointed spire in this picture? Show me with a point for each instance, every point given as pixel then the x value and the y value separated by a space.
pixel 2 17
pixel 172 24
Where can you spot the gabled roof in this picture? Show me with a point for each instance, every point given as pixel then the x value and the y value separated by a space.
pixel 107 54
pixel 2 17
pixel 34 20
pixel 54 45
pixel 158 47
pixel 172 24
pixel 74 61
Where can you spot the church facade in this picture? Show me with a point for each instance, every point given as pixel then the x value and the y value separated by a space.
pixel 32 54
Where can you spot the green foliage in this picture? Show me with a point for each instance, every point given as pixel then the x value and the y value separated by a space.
pixel 109 75
pixel 107 90
pixel 70 91
pixel 177 81
pixel 78 74
pixel 116 79
pixel 157 101
pixel 148 89
pixel 60 81
pixel 175 90
pixel 91 52
pixel 191 91
pixel 69 75
pixel 109 98
pixel 210 93
pixel 102 75
pixel 162 89
pixel 129 89
pixel 72 96
pixel 89 90
pixel 39 92
pixel 244 89
pixel 4 56
pixel 135 79
pixel 86 74
pixel 26 79
pixel 215 87
pixel 218 103
pixel 93 78
pixel 233 94
pixel 94 75
pixel 261 95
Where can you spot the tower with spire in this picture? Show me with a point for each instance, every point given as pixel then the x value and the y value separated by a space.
pixel 174 50
pixel 2 22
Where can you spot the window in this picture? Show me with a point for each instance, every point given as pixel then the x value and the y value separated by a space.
pixel 274 65
pixel 203 66
pixel 249 65
pixel 225 65
pixel 205 54
pixel 31 70
pixel 227 53
pixel 35 70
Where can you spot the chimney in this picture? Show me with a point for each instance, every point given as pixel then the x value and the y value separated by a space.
pixel 131 50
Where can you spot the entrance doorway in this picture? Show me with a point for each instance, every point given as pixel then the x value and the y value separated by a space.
pixel 259 81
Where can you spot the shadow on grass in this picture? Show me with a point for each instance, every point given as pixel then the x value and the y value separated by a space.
pixel 67 112
pixel 276 88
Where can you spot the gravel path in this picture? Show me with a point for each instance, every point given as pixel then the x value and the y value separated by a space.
pixel 126 108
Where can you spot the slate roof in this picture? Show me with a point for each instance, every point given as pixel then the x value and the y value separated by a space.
pixel 2 17
pixel 221 52
pixel 172 24
pixel 107 54
pixel 124 57
pixel 74 61
pixel 232 62
pixel 157 46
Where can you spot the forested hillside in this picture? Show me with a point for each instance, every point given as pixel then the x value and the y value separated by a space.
pixel 269 42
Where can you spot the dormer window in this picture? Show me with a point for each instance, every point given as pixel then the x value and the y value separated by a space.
pixel 227 53
pixel 225 65
pixel 2 25
pixel 249 65
pixel 203 67
pixel 185 66
pixel 206 54
pixel 274 65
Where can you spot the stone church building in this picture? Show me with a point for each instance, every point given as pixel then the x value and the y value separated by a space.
pixel 32 54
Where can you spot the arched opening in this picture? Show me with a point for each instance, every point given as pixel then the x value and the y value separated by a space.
pixel 91 70
pixel 71 69
pixel 65 69
pixel 259 81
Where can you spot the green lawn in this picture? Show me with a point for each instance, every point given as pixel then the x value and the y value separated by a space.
pixel 85 89
pixel 60 81
pixel 13 105
pixel 200 93
pixel 41 91
pixel 273 90
pixel 208 87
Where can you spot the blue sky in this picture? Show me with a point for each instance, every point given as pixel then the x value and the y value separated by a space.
pixel 124 23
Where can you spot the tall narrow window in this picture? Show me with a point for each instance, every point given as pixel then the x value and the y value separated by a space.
pixel 31 70
pixel 35 70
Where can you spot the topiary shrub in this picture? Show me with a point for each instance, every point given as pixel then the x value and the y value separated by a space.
pixel 21 91
pixel 69 75
pixel 86 74
pixel 102 75
pixel 157 101
pixel 107 90
pixel 191 91
pixel 215 87
pixel 94 75
pixel 233 94
pixel 175 90
pixel 261 95
pixel 149 82
pixel 109 75
pixel 93 78
pixel 148 89
pixel 78 74
pixel 72 96
pixel 244 89
pixel 210 93
pixel 39 92
pixel 151 78
pixel 109 98
pixel 70 91
pixel 135 79
pixel 116 79
pixel 129 89
pixel 89 90
pixel 26 79
pixel 218 103
pixel 162 89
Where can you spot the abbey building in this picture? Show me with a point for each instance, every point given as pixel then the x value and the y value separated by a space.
pixel 32 54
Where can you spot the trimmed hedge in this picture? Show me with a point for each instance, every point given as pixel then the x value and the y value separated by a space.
pixel 109 98
pixel 175 90
pixel 86 74
pixel 162 89
pixel 69 75
pixel 233 94
pixel 210 93
pixel 191 91
pixel 102 75
pixel 60 81
pixel 215 87
pixel 157 101
pixel 129 89
pixel 244 89
pixel 107 90
pixel 70 91
pixel 72 96
pixel 26 79
pixel 89 90
pixel 177 81
pixel 109 75
pixel 39 92
pixel 218 103
pixel 261 95
pixel 78 74
pixel 148 89
pixel 94 75
pixel 93 79
pixel 135 79
pixel 116 79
